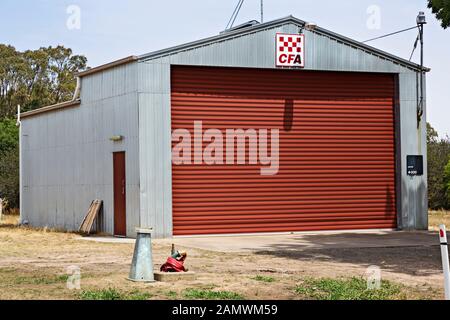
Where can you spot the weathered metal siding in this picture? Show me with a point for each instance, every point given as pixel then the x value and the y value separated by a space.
pixel 414 190
pixel 257 50
pixel 68 154
pixel 155 148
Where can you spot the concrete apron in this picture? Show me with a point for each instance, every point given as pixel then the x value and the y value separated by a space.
pixel 301 241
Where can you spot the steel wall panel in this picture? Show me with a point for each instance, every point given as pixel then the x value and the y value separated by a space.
pixel 414 214
pixel 155 159
pixel 68 154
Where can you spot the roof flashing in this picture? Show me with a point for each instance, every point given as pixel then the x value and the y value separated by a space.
pixel 289 19
pixel 54 107
pixel 250 27
pixel 238 31
pixel 248 24
pixel 107 66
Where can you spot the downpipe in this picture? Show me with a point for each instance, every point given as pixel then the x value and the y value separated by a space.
pixel 19 125
pixel 76 94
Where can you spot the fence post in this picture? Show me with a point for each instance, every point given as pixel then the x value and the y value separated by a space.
pixel 445 262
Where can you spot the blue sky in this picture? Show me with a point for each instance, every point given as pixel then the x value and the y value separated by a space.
pixel 114 29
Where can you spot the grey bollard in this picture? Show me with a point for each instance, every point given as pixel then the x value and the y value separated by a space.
pixel 142 264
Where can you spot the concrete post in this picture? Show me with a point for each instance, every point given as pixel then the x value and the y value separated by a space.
pixel 142 264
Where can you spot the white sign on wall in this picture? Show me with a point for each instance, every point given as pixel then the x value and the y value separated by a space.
pixel 290 51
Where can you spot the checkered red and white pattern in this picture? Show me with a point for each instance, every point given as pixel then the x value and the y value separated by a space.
pixel 290 43
pixel 290 50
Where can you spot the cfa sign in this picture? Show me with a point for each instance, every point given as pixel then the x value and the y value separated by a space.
pixel 290 50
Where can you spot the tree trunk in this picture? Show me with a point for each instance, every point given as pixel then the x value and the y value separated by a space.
pixel 1 209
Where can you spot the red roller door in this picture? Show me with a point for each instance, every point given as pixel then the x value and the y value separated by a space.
pixel 337 154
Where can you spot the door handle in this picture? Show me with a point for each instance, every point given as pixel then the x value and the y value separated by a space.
pixel 123 186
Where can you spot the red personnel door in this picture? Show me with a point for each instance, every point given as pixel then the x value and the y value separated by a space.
pixel 120 225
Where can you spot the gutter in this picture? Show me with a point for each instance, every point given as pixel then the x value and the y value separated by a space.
pixel 107 66
pixel 72 103
pixel 76 93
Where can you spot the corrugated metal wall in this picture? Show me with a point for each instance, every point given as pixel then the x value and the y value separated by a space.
pixel 414 196
pixel 257 50
pixel 154 148
pixel 68 154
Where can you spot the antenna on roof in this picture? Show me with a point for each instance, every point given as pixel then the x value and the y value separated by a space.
pixel 262 11
pixel 234 15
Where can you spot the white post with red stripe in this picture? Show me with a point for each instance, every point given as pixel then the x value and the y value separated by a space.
pixel 445 262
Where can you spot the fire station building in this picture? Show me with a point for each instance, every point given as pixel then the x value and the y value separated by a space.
pixel 331 133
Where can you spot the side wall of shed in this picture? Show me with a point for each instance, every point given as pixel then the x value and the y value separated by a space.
pixel 257 50
pixel 413 141
pixel 68 157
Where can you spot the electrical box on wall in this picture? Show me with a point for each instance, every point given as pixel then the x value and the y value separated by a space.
pixel 414 165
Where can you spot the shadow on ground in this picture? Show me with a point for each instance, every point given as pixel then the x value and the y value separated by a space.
pixel 418 259
pixel 8 226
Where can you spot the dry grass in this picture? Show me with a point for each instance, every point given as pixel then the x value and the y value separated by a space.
pixel 9 220
pixel 33 265
pixel 438 217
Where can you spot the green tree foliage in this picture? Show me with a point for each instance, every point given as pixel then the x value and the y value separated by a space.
pixel 438 157
pixel 432 134
pixel 36 78
pixel 447 181
pixel 9 134
pixel 9 162
pixel 33 79
pixel 9 176
pixel 441 8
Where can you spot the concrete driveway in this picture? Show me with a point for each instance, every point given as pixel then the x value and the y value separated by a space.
pixel 308 241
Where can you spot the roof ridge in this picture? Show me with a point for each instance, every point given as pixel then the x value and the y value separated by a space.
pixel 250 29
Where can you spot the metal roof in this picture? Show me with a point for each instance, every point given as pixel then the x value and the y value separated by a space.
pixel 107 66
pixel 238 31
pixel 279 22
pixel 58 106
